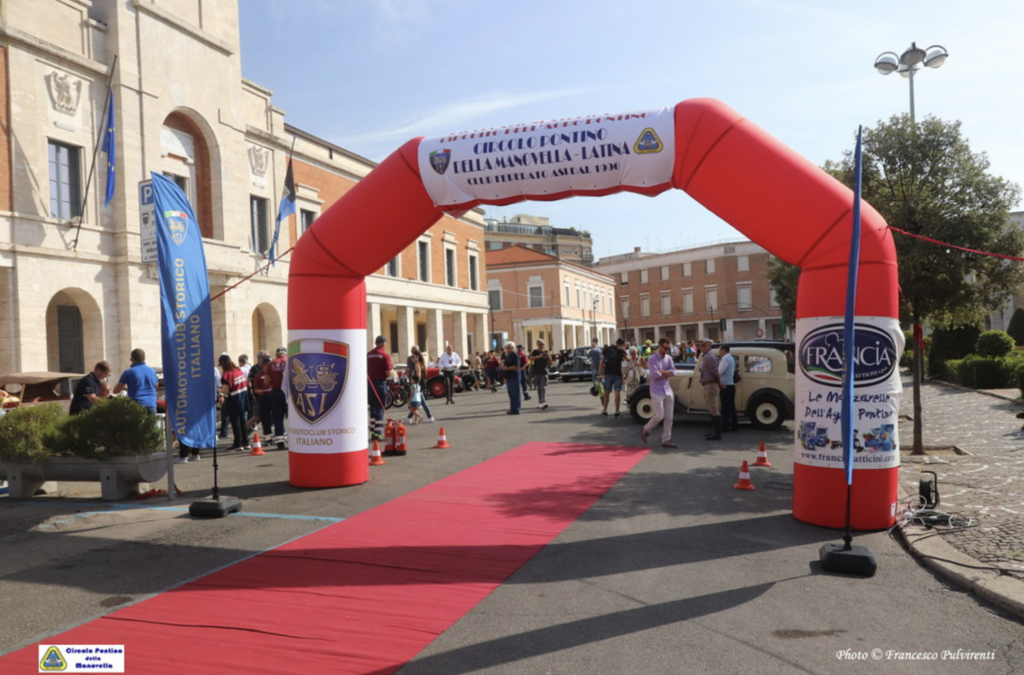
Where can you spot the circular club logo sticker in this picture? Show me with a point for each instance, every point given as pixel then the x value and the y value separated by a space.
pixel 821 355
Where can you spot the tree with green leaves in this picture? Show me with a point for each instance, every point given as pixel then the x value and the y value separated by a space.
pixel 925 180
pixel 783 277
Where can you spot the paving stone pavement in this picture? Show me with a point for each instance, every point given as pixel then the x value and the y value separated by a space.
pixel 986 485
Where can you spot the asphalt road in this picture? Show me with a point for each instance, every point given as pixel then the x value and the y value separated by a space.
pixel 672 571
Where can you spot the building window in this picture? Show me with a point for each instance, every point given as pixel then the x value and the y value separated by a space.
pixel 744 300
pixel 306 218
pixel 65 181
pixel 645 305
pixel 392 269
pixel 495 245
pixel 687 302
pixel 624 305
pixel 474 284
pixel 260 231
pixel 666 303
pixel 687 269
pixel 625 278
pixel 773 300
pixel 709 266
pixel 578 297
pixel 494 298
pixel 711 298
pixel 567 303
pixel 449 266
pixel 423 255
pixel 643 276
pixel 743 263
pixel 664 273
pixel 536 296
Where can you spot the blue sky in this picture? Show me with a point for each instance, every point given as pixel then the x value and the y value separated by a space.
pixel 370 75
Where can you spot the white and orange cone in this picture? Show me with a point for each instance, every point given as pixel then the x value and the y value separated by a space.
pixel 762 457
pixel 744 481
pixel 257 447
pixel 375 457
pixel 442 441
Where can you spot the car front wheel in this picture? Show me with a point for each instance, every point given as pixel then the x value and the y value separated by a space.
pixel 641 408
pixel 766 412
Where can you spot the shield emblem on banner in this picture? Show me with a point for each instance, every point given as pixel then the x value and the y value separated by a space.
pixel 177 223
pixel 317 373
pixel 439 160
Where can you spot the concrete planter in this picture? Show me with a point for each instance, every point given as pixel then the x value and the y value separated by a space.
pixel 118 476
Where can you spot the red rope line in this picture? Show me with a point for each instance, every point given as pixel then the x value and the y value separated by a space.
pixel 942 243
pixel 234 286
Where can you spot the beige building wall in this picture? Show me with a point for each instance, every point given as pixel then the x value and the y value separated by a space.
pixel 74 289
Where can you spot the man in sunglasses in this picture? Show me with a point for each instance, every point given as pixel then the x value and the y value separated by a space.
pixel 660 368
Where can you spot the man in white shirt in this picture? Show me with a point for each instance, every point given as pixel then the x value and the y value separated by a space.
pixel 449 363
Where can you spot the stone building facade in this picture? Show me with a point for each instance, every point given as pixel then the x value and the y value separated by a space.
pixel 688 294
pixel 537 233
pixel 74 288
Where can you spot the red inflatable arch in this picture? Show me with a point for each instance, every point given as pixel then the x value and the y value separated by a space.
pixel 751 180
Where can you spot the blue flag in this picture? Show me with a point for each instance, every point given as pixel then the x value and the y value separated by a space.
pixel 287 207
pixel 186 331
pixel 849 330
pixel 108 148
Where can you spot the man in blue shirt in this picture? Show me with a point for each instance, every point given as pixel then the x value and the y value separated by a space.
pixel 140 381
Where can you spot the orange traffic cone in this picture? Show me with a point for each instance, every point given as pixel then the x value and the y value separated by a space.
pixel 375 458
pixel 442 442
pixel 744 481
pixel 762 457
pixel 257 447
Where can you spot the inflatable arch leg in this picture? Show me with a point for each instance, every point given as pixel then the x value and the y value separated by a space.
pixel 764 189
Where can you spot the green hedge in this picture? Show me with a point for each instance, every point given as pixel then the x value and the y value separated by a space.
pixel 985 372
pixel 114 427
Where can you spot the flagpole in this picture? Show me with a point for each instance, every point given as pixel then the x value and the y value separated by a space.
pixel 277 227
pixel 95 152
pixel 850 559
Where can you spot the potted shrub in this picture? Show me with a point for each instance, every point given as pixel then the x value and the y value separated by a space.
pixel 116 442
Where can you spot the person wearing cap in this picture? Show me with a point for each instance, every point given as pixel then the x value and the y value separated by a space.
pixel 711 380
pixel 278 399
pixel 540 361
pixel 378 367
pixel 511 366
pixel 259 376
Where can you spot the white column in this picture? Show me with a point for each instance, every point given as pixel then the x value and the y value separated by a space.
pixel 373 324
pixel 435 333
pixel 460 326
pixel 482 341
pixel 406 330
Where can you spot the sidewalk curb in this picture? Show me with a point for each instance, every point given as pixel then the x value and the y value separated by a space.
pixel 986 392
pixel 940 556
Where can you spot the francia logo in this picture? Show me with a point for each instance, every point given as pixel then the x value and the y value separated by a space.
pixel 821 355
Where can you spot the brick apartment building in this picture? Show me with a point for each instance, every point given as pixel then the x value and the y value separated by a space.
pixel 717 291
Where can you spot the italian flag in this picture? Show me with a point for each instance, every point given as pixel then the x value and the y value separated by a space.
pixel 313 345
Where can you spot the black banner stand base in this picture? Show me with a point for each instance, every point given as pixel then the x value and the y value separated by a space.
pixel 848 559
pixel 214 507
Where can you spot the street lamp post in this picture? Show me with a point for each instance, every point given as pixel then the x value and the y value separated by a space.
pixel 908 63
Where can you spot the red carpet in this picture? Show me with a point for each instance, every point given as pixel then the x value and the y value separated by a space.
pixel 367 594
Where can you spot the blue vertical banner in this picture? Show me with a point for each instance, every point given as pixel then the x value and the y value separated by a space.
pixel 186 327
pixel 109 147
pixel 849 330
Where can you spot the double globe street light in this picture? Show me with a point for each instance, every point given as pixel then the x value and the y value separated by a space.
pixel 909 62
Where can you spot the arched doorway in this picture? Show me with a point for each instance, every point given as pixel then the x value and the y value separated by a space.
pixel 267 328
pixel 74 332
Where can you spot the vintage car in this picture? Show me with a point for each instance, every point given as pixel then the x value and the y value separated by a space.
pixel 764 394
pixel 38 387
